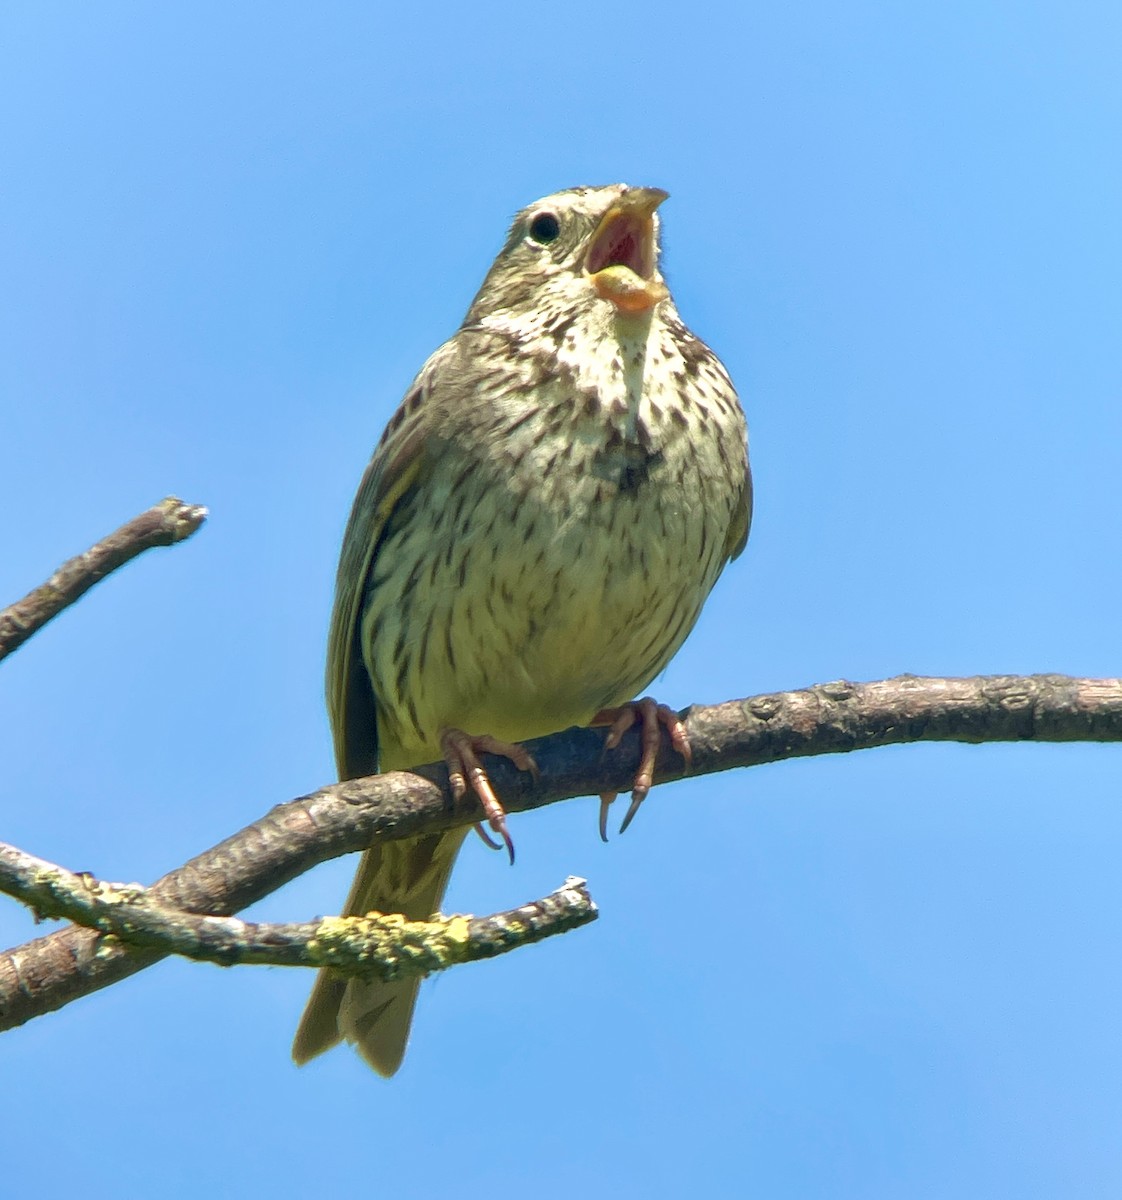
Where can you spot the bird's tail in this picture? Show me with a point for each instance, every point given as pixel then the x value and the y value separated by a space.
pixel 403 877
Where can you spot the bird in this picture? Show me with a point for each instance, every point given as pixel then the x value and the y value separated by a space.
pixel 532 541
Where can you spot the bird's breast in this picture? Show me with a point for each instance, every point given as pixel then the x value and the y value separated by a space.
pixel 550 561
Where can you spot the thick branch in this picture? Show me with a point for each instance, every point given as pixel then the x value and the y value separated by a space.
pixel 828 719
pixel 386 946
pixel 163 524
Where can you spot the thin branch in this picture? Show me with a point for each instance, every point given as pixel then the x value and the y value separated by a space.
pixel 831 718
pixel 385 946
pixel 163 524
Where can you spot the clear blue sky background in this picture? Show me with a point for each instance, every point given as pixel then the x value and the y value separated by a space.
pixel 230 236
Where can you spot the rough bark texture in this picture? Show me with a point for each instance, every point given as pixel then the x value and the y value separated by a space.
pixel 384 946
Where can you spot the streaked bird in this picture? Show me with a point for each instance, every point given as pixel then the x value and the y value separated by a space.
pixel 532 541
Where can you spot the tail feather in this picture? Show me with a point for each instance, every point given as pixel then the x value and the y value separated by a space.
pixel 407 877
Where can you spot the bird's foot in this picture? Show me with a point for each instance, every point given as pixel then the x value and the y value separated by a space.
pixel 651 716
pixel 461 753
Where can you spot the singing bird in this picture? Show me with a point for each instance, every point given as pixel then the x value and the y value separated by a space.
pixel 532 541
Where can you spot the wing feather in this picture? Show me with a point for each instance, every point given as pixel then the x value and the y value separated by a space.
pixel 741 517
pixel 392 472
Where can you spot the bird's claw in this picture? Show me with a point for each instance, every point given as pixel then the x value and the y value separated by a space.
pixel 606 801
pixel 486 838
pixel 652 717
pixel 461 753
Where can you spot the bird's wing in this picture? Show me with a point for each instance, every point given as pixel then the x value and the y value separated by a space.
pixel 741 516
pixel 393 470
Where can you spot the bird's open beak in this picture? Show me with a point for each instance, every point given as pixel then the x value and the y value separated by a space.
pixel 620 262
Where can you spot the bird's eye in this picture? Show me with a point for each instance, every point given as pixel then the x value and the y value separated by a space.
pixel 545 228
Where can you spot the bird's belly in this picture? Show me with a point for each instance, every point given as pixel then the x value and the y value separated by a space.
pixel 531 617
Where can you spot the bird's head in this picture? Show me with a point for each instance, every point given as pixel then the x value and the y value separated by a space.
pixel 578 248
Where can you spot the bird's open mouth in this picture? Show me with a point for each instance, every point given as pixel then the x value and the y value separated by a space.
pixel 621 257
pixel 624 239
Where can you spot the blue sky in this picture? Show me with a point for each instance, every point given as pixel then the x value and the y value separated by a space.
pixel 233 233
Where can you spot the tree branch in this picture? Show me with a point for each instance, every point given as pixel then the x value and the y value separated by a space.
pixel 385 946
pixel 831 718
pixel 163 524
